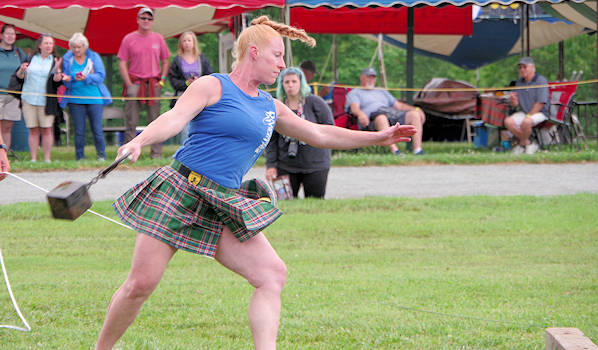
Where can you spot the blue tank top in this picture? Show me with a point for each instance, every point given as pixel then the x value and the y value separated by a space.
pixel 226 138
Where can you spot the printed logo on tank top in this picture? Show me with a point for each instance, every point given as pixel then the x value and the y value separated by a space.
pixel 269 120
pixel 156 46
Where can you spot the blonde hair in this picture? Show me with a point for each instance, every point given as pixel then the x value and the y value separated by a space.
pixel 78 39
pixel 260 32
pixel 196 50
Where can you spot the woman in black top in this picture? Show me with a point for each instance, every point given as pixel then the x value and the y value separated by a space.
pixel 303 163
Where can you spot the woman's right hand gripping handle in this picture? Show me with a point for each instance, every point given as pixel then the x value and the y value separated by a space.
pixel 133 148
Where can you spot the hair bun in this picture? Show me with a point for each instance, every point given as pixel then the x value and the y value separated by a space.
pixel 260 20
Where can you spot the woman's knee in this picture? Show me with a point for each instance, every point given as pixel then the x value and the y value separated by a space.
pixel 273 276
pixel 139 287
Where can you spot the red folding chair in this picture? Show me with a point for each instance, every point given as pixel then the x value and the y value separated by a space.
pixel 559 126
pixel 342 118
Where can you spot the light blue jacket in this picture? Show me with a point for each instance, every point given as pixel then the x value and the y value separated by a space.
pixel 96 78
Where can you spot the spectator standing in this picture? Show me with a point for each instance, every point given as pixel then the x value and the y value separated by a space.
pixel 188 65
pixel 309 70
pixel 84 75
pixel 41 75
pixel 306 165
pixel 4 163
pixel 377 109
pixel 533 104
pixel 143 66
pixel 11 58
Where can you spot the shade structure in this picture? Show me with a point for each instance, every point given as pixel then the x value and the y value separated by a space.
pixel 407 3
pixel 492 40
pixel 105 23
pixel 583 14
pixel 428 20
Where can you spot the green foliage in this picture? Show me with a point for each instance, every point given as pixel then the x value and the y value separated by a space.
pixel 372 273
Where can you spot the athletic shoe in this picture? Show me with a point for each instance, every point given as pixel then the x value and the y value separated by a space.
pixel 531 148
pixel 518 150
pixel 397 152
pixel 419 153
pixel 101 159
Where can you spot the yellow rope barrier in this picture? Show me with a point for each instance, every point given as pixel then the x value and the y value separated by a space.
pixel 581 82
pixel 487 89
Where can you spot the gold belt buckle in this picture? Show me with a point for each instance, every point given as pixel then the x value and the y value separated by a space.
pixel 194 178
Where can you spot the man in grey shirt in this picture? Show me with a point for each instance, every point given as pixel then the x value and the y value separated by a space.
pixel 533 104
pixel 377 109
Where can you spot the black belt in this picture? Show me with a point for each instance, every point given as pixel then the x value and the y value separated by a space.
pixel 189 174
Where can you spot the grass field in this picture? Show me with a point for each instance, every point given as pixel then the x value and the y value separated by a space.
pixel 374 273
pixel 437 153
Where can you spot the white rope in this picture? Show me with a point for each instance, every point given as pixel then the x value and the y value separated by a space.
pixel 25 181
pixel 109 219
pixel 12 298
pixel 46 191
pixel 14 302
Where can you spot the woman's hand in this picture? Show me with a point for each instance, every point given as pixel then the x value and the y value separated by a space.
pixel 66 78
pixel 133 148
pixel 22 70
pixel 396 133
pixel 271 174
pixel 80 76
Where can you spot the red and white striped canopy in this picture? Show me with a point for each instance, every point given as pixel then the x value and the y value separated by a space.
pixel 106 22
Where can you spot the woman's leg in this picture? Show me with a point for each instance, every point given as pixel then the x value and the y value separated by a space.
pixel 47 142
pixel 256 261
pixel 150 259
pixel 95 121
pixel 34 142
pixel 6 130
pixel 78 115
pixel 314 184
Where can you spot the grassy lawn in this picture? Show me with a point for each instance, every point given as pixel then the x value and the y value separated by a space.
pixel 437 153
pixel 374 273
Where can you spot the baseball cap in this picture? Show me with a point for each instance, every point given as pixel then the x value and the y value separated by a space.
pixel 145 10
pixel 526 61
pixel 369 71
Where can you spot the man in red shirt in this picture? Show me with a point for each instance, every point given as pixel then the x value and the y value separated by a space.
pixel 143 66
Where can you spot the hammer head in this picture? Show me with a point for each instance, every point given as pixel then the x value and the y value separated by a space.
pixel 69 200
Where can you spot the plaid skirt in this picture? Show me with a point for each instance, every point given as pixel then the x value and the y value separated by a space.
pixel 190 213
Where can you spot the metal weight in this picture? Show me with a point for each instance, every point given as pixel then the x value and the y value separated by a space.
pixel 70 199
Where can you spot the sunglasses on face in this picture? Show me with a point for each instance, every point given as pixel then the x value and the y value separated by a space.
pixel 146 18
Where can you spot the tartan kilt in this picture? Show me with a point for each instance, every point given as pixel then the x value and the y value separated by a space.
pixel 191 217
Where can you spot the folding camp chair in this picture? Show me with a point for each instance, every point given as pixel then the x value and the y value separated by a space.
pixel 558 129
pixel 342 118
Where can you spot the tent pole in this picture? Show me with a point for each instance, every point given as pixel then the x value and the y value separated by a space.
pixel 527 53
pixel 381 61
pixel 409 94
pixel 289 50
pixel 334 59
pixel 109 71
pixel 522 26
pixel 561 75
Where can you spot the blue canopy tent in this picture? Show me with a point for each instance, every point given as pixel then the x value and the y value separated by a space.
pixel 497 34
pixel 409 40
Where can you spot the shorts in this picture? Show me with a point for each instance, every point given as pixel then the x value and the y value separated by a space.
pixel 189 213
pixel 36 117
pixel 394 116
pixel 519 116
pixel 9 108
